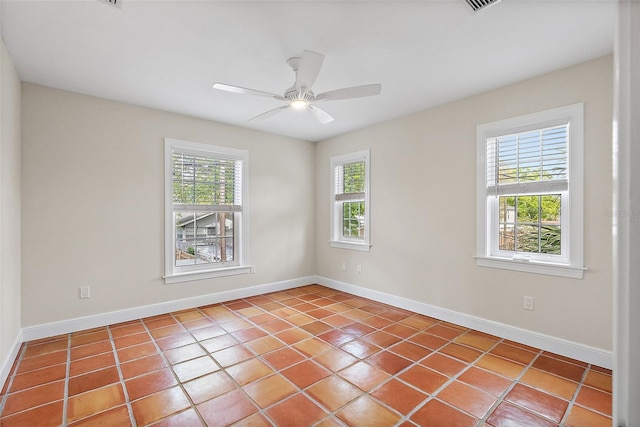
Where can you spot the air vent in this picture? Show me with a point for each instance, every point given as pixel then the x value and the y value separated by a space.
pixel 114 3
pixel 478 4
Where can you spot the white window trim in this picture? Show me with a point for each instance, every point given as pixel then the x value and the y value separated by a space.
pixel 573 215
pixel 335 239
pixel 205 272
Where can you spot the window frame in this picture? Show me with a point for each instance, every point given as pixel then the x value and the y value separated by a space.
pixel 570 263
pixel 175 274
pixel 336 239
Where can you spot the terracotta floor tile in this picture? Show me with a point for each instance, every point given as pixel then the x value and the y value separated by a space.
pixel 305 373
pixel 195 368
pixel 360 349
pixel 118 416
pixel 293 335
pixel 598 380
pixel 38 377
pixel 317 327
pixel 219 343
pixel 320 313
pixel 444 364
pixel 336 337
pixel 89 338
pixel 581 417
pixel 283 358
pixel 92 363
pixel 358 329
pixel 262 318
pixel 513 353
pixel 266 391
pixel 335 359
pixel 208 332
pixel 142 366
pixel 129 329
pixel 401 330
pixel 541 403
pixel 255 420
pixel 366 412
pixel 476 341
pixel 333 392
pixel 424 379
pixel 395 315
pixel 444 331
pixel 389 362
pixel 508 415
pixel 45 348
pixel 94 401
pixel 159 321
pixel 418 321
pixel 377 322
pixel 437 414
pixel 159 405
pixel 312 347
pixel 174 341
pixel 188 315
pixel 559 367
pixel 33 397
pixel 182 354
pixel 165 331
pixel 42 361
pixel 461 352
pixel 43 416
pixel 595 399
pixel 500 366
pixel 227 409
pixel 90 350
pixel 264 345
pixel 410 350
pixel 357 315
pixel 429 341
pixel 150 383
pixel 484 380
pixel 382 339
pixel 232 355
pixel 209 386
pixel 136 352
pixel 399 396
pixel 249 370
pixel 364 375
pixel 337 321
pixel 129 340
pixel 235 325
pixel 296 411
pixel 565 359
pixel 93 380
pixel 467 398
pixel 249 334
pixel 300 319
pixel 187 418
pixel 549 383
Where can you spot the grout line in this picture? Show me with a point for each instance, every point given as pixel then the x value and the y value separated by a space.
pixel 121 377
pixel 65 400
pixel 19 358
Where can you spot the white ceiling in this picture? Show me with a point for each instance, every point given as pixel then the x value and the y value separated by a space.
pixel 167 54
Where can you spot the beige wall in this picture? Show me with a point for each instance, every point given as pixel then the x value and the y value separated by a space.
pixel 423 213
pixel 93 206
pixel 9 206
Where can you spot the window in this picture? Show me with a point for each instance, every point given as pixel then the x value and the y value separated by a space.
pixel 205 218
pixel 529 205
pixel 350 201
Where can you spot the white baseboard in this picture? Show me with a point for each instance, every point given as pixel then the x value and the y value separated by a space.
pixel 103 319
pixel 556 345
pixel 8 361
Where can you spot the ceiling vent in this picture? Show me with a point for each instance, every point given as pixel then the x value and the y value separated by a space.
pixel 478 4
pixel 114 3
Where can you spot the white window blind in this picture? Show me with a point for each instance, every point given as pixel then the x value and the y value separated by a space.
pixel 532 162
pixel 205 183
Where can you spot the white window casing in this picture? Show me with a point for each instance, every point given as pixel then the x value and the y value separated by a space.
pixel 547 149
pixel 350 194
pixel 206 213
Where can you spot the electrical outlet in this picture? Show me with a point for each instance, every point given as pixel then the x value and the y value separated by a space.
pixel 359 269
pixel 84 292
pixel 528 303
pixel 344 266
pixel 252 269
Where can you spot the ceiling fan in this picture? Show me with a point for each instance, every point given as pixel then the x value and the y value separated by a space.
pixel 300 96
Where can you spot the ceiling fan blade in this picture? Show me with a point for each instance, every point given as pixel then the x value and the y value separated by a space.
pixel 321 116
pixel 308 69
pixel 350 92
pixel 269 113
pixel 245 91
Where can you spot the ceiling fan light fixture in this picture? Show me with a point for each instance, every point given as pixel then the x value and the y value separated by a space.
pixel 299 104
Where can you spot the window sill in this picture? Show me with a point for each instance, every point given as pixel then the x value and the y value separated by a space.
pixel 206 274
pixel 532 267
pixel 356 246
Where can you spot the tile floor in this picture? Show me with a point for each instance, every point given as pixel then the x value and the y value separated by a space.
pixel 309 356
